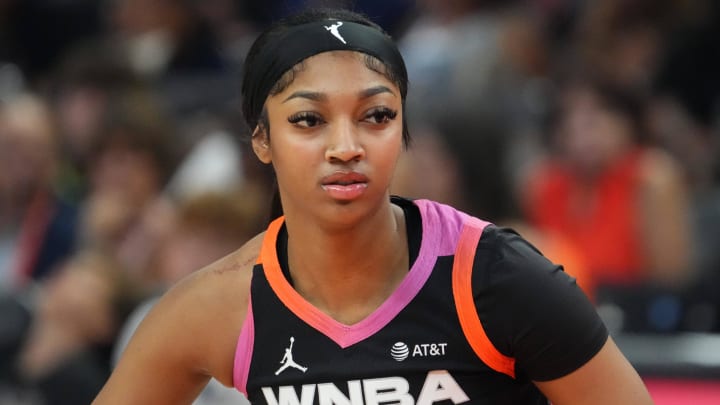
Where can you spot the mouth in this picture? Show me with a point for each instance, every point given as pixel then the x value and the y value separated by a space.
pixel 345 186
pixel 344 179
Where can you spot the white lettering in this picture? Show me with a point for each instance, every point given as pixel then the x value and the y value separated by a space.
pixel 329 394
pixel 288 396
pixel 440 386
pixel 392 389
pixel 429 349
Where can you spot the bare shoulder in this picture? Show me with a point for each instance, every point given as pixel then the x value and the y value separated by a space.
pixel 212 303
pixel 189 336
pixel 235 267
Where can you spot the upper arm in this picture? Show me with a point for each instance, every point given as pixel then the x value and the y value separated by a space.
pixel 552 330
pixel 532 310
pixel 607 378
pixel 159 364
pixel 188 337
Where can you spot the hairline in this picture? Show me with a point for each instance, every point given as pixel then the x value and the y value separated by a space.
pixel 371 62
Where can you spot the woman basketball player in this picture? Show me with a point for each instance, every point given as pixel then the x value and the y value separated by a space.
pixel 352 296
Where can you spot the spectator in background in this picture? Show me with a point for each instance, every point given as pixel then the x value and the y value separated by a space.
pixel 170 44
pixel 472 60
pixel 87 80
pixel 62 354
pixel 446 68
pixel 621 41
pixel 133 156
pixel 37 228
pixel 622 201
pixel 163 37
pixel 208 227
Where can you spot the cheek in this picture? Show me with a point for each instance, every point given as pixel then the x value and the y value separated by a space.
pixel 391 152
pixel 295 156
pixel 384 155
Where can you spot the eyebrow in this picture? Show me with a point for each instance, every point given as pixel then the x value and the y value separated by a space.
pixel 318 96
pixel 367 93
pixel 310 95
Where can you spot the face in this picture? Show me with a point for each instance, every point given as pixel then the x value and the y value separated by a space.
pixel 26 151
pixel 125 172
pixel 335 138
pixel 591 135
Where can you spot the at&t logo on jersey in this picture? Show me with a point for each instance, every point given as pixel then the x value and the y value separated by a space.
pixel 439 386
pixel 400 351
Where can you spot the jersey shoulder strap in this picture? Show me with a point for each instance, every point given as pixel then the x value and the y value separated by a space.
pixel 465 304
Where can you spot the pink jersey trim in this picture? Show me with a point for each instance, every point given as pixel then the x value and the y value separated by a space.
pixel 243 351
pixel 441 228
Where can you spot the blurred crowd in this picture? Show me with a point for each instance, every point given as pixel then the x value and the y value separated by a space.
pixel 591 127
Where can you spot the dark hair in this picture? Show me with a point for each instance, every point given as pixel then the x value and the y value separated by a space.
pixel 610 96
pixel 394 74
pixel 137 121
pixel 255 117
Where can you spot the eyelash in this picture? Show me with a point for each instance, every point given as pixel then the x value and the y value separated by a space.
pixel 381 115
pixel 306 116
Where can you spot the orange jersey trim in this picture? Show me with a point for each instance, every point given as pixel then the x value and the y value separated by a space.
pixel 465 303
pixel 268 259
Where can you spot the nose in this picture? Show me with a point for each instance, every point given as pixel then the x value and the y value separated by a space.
pixel 344 144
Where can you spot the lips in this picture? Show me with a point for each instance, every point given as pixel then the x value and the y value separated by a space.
pixel 345 186
pixel 344 179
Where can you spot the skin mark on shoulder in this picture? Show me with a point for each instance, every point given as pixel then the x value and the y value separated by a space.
pixel 239 265
pixel 242 260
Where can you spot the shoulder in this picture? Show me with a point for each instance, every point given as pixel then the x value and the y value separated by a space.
pixel 204 312
pixel 225 275
pixel 505 250
pixel 510 270
pixel 531 309
pixel 189 336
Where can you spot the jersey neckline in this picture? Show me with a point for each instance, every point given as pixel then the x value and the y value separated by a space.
pixel 342 334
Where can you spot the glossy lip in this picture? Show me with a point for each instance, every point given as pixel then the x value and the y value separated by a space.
pixel 344 178
pixel 345 186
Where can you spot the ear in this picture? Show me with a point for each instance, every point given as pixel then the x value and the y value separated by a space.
pixel 261 145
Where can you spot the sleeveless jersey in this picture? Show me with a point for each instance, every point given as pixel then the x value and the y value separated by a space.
pixel 424 345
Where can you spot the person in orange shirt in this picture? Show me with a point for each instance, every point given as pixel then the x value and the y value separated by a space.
pixel 620 200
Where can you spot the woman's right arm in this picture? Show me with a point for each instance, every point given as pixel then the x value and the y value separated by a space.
pixel 187 338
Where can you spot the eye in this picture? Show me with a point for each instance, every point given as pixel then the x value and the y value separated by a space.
pixel 381 115
pixel 306 119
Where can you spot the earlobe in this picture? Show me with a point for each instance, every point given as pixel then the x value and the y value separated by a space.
pixel 260 144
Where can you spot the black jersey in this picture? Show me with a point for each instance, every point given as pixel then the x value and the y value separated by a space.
pixel 479 316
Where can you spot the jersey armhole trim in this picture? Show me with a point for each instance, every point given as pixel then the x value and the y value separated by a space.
pixel 244 351
pixel 465 304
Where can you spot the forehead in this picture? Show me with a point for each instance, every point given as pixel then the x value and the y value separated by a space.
pixel 338 71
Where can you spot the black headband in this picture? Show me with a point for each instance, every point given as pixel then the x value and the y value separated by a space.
pixel 300 42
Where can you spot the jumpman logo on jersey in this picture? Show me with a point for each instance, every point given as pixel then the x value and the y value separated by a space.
pixel 334 30
pixel 287 360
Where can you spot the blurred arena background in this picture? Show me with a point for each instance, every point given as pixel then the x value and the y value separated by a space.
pixel 592 127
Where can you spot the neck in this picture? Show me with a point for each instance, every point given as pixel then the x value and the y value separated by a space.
pixel 349 273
